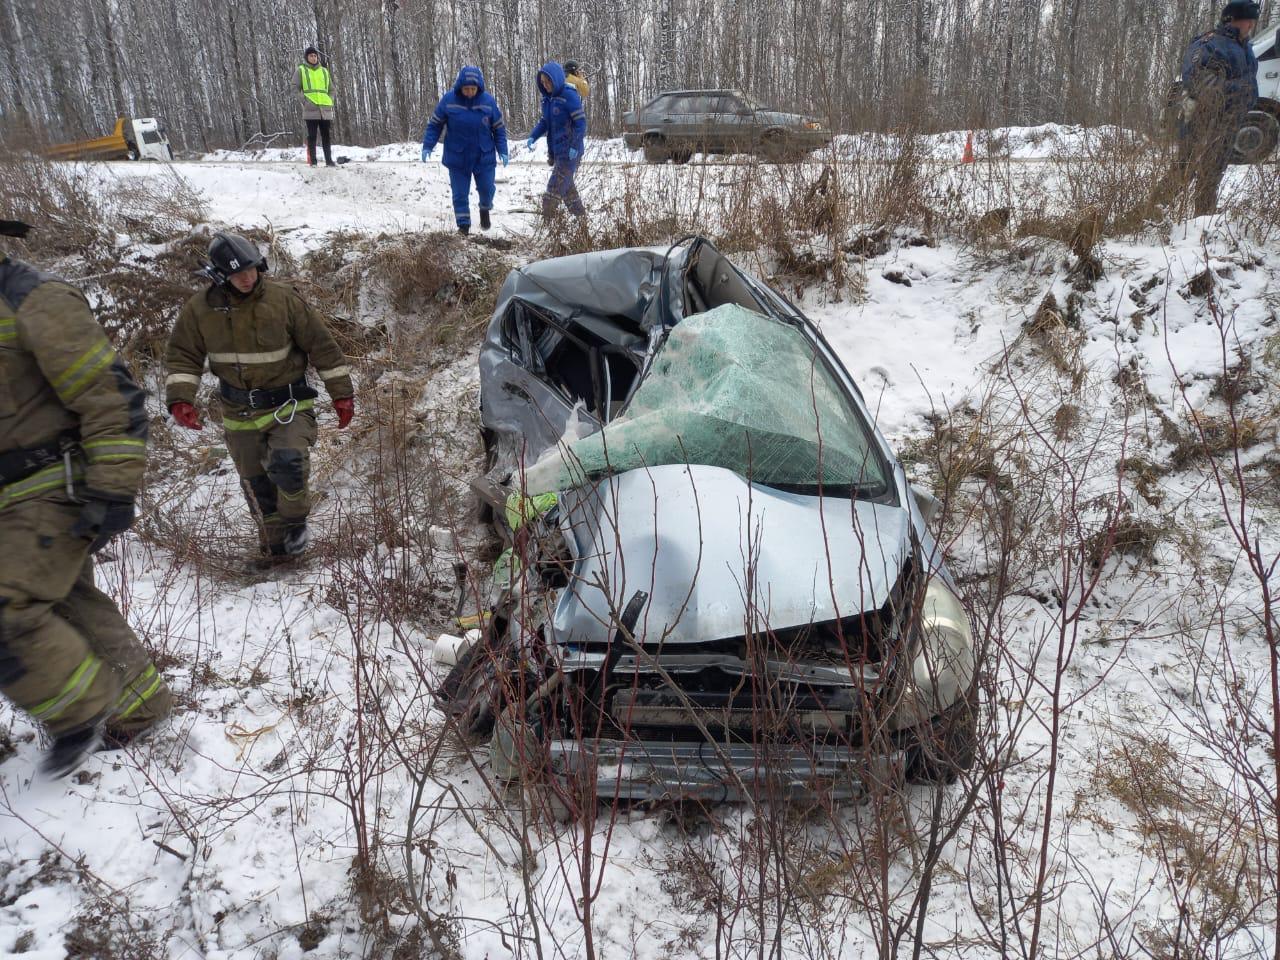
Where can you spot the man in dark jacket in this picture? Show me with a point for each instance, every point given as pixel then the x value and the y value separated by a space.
pixel 1219 88
pixel 259 337
pixel 73 435
pixel 477 140
pixel 565 125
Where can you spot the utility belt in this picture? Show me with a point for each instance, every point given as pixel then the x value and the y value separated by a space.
pixel 267 398
pixel 18 464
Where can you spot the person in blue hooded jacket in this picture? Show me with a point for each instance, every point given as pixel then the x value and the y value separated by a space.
pixel 564 123
pixel 476 141
pixel 1220 87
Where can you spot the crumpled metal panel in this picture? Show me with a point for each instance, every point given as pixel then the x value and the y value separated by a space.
pixel 718 556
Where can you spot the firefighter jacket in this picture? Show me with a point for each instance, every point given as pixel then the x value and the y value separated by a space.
pixel 60 380
pixel 578 83
pixel 257 341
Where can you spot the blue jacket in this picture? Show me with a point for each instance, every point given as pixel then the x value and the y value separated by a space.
pixel 1222 57
pixel 563 120
pixel 477 133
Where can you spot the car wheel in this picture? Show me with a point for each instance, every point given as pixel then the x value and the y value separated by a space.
pixel 471 692
pixel 655 150
pixel 1257 138
pixel 773 146
pixel 681 156
pixel 939 751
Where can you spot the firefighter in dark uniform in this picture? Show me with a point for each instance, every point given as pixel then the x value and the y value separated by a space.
pixel 1219 88
pixel 259 337
pixel 73 432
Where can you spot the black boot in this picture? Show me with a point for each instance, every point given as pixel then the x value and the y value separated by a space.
pixel 296 538
pixel 116 739
pixel 464 228
pixel 484 220
pixel 70 749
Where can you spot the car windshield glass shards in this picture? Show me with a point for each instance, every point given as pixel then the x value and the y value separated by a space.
pixel 732 388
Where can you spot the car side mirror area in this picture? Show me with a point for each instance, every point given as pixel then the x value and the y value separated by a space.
pixel 928 505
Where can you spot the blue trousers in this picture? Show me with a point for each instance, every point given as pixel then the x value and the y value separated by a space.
pixel 561 187
pixel 460 182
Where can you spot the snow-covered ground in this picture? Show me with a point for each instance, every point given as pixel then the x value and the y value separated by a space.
pixel 232 833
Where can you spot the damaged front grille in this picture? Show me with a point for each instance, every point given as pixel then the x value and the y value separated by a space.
pixel 808 683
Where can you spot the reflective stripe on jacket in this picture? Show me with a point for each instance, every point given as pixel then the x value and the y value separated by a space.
pixel 314 83
pixel 59 375
pixel 265 339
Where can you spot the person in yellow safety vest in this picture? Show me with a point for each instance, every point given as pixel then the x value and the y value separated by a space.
pixel 317 103
pixel 73 447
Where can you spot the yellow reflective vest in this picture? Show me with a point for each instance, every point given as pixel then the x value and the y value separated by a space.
pixel 315 84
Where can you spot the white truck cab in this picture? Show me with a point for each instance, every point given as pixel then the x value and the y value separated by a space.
pixel 150 139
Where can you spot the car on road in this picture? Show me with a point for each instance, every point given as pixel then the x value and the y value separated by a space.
pixel 717 581
pixel 679 123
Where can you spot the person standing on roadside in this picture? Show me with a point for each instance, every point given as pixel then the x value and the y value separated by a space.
pixel 315 88
pixel 1219 88
pixel 477 140
pixel 564 123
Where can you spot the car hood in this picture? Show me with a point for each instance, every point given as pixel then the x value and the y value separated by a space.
pixel 685 535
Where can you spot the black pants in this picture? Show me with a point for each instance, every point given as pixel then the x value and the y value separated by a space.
pixel 322 126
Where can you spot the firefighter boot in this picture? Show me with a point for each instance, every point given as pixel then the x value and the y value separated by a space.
pixel 69 750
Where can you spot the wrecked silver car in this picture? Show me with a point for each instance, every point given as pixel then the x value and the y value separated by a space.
pixel 716 580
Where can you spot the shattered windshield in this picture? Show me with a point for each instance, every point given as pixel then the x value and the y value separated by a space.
pixel 732 388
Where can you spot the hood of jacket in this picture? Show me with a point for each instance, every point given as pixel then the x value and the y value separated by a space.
pixel 555 73
pixel 469 75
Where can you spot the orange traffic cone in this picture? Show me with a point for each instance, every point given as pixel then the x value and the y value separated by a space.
pixel 968 149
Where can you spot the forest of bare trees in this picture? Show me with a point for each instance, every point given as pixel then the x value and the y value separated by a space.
pixel 221 73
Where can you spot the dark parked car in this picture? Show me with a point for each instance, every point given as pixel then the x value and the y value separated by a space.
pixel 678 124
pixel 718 582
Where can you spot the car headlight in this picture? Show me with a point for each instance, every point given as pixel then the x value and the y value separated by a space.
pixel 944 665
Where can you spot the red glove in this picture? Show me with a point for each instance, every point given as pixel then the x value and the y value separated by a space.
pixel 186 415
pixel 345 409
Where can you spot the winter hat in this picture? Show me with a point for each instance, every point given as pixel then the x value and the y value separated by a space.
pixel 309 51
pixel 1242 10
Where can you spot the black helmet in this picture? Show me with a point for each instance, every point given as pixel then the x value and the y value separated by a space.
pixel 1242 10
pixel 230 253
pixel 572 66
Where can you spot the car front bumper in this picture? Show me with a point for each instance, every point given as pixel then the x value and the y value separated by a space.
pixel 646 770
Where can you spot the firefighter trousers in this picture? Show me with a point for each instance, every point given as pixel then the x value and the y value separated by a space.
pixel 272 454
pixel 67 655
